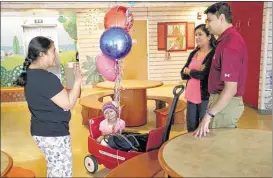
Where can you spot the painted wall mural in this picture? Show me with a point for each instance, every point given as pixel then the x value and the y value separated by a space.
pixel 13 45
pixel 69 23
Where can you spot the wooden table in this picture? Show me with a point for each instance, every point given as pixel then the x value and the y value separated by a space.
pixel 224 153
pixel 134 99
pixel 6 163
pixel 144 165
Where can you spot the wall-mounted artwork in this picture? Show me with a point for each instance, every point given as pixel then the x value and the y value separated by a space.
pixel 176 36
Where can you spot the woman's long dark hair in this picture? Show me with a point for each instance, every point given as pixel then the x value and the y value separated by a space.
pixel 204 29
pixel 36 46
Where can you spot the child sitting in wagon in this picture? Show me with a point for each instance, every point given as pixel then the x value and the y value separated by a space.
pixel 111 124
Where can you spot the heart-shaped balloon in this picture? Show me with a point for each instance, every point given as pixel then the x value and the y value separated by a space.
pixel 106 67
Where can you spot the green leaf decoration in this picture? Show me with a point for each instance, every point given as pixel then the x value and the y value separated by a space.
pixel 4 76
pixel 62 19
pixel 91 72
pixel 14 74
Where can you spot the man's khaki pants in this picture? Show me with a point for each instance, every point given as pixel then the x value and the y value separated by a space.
pixel 229 116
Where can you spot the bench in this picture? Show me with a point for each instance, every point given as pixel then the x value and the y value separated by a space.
pixel 144 165
pixel 92 105
pixel 162 110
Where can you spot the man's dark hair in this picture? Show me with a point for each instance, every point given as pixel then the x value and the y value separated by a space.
pixel 220 8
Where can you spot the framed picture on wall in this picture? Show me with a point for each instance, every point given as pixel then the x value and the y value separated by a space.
pixel 176 38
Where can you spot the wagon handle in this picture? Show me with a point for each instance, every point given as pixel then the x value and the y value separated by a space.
pixel 177 94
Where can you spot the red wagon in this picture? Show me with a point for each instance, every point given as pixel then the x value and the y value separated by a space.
pixel 111 158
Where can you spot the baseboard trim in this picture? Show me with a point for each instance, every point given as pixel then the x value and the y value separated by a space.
pixel 261 111
pixel 265 111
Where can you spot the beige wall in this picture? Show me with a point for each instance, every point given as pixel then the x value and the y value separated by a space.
pixel 159 68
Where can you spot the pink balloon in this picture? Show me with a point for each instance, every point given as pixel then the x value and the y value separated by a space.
pixel 106 67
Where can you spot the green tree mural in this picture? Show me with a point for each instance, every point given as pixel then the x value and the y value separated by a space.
pixel 70 25
pixel 15 45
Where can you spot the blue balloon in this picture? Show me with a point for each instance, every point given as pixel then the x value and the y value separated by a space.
pixel 115 43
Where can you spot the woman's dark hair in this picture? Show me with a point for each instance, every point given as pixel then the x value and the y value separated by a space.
pixel 36 46
pixel 220 8
pixel 206 31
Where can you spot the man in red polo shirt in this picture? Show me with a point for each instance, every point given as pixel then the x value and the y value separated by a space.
pixel 227 74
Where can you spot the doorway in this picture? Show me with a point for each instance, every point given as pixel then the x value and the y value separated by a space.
pixel 49 31
pixel 136 63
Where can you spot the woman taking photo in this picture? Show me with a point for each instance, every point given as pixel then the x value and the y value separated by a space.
pixel 49 104
pixel 196 72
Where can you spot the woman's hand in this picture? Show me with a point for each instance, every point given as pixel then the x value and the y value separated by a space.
pixel 201 68
pixel 77 73
pixel 187 70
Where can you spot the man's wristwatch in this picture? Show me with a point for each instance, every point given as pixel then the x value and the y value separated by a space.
pixel 208 113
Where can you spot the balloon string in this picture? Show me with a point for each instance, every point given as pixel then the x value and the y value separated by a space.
pixel 118 84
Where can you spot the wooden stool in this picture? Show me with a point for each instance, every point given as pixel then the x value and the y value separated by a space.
pixel 20 172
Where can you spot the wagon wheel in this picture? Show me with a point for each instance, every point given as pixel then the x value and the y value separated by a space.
pixel 91 164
